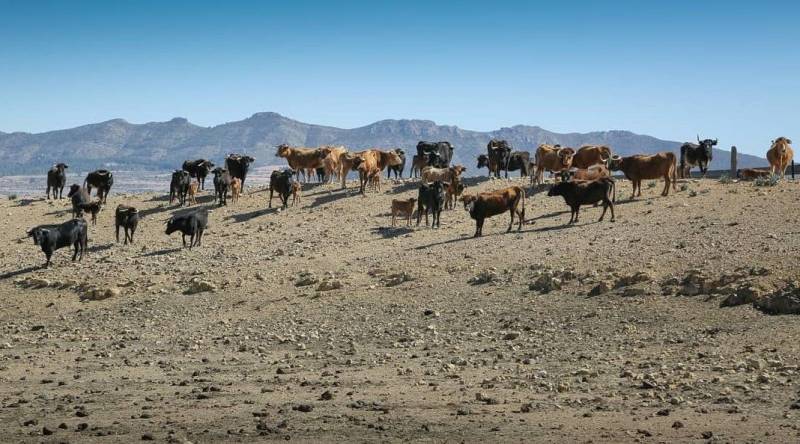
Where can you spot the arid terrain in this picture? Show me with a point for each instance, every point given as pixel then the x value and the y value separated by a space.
pixel 322 323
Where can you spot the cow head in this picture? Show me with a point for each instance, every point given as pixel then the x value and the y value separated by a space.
pixel 218 171
pixel 400 152
pixel 206 165
pixel 557 189
pixel 566 175
pixel 61 166
pixel 392 158
pixel 73 189
pixel 38 235
pixel 469 201
pixel 483 161
pixel 433 158
pixel 458 170
pixel 707 145
pixel 781 143
pixel 566 155
pixel 615 163
pixel 171 226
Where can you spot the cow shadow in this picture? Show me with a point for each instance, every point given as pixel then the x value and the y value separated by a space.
pixel 546 216
pixel 333 196
pixel 391 232
pixel 244 217
pixel 161 252
pixel 15 273
pixel 96 248
pixel 59 213
pixel 26 202
pixel 159 198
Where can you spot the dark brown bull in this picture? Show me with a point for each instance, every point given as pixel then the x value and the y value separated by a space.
pixel 577 193
pixel 485 205
pixel 641 167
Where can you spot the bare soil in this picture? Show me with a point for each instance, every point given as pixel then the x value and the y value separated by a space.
pixel 322 323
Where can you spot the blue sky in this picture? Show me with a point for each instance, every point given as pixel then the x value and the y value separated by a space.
pixel 671 69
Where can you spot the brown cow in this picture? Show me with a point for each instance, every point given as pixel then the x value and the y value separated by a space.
pixel 641 167
pixel 330 161
pixel 236 189
pixel 403 208
pixel 302 160
pixel 348 162
pixel 589 155
pixel 780 155
pixel 752 173
pixel 375 159
pixel 551 158
pixel 485 205
pixel 451 193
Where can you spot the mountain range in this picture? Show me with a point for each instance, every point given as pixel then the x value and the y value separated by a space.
pixel 155 146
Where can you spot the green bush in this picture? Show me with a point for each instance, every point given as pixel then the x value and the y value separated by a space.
pixel 725 178
pixel 768 181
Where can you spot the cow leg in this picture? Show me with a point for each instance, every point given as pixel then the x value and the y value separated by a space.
pixel 200 238
pixel 479 227
pixel 521 215
pixel 666 186
pixel 183 236
pixel 48 255
pixel 511 223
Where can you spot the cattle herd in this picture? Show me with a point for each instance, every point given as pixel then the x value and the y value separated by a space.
pixel 584 177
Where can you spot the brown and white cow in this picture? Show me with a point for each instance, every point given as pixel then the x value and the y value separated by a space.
pixel 551 158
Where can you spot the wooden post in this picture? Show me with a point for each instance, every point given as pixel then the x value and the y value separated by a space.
pixel 733 162
pixel 792 169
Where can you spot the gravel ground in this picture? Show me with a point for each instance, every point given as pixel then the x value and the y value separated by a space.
pixel 322 323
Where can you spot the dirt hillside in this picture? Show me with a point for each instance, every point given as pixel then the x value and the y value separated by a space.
pixel 322 323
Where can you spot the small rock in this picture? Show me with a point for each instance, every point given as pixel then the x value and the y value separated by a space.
pixel 600 288
pixel 304 408
pixel 197 285
pixel 326 396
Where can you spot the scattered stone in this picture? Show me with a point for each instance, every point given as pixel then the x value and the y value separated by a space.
pixel 677 425
pixel 693 283
pixel 330 284
pixel 148 437
pixel 783 301
pixel 484 277
pixel 326 396
pixel 305 278
pixel 511 335
pixel 196 285
pixel 637 278
pixel 601 288
pixel 98 294
pixel 396 279
pixel 707 435
pixel 304 408
pixel 744 294
pixel 545 283
pixel 46 431
pixel 663 412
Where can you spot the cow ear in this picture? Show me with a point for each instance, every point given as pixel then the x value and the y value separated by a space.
pixel 789 141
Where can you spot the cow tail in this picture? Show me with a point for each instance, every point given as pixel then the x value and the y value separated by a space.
pixel 675 172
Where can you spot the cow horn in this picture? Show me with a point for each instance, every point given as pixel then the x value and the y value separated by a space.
pixel 698 138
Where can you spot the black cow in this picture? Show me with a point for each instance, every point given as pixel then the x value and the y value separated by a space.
pixel 398 169
pixel 222 184
pixel 238 165
pixel 580 193
pixel 179 186
pixel 52 237
pixel 127 218
pixel 498 152
pixel 281 181
pixel 431 198
pixel 57 179
pixel 192 224
pixel 696 154
pixel 444 149
pixel 518 160
pixel 79 197
pixel 198 169
pixel 102 180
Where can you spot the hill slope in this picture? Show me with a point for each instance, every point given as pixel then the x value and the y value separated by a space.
pixel 165 145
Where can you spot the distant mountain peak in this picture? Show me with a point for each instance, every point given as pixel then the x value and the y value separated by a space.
pixel 165 145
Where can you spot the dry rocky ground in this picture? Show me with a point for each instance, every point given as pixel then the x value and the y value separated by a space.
pixel 321 323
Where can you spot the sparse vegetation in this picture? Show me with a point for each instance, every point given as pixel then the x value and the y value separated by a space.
pixel 725 178
pixel 768 181
pixel 12 197
pixel 651 184
pixel 684 187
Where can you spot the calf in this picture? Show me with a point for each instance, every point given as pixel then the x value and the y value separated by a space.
pixel 493 203
pixel 641 167
pixel 127 218
pixel 56 180
pixel 179 186
pixel 431 198
pixel 404 208
pixel 52 237
pixel 583 193
pixel 752 173
pixel 375 179
pixel 281 181
pixel 193 190
pixel 102 180
pixel 348 162
pixel 222 183
pixel 452 192
pixel 236 189
pixel 193 224
pixel 296 192
pixel 92 208
pixel 79 196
